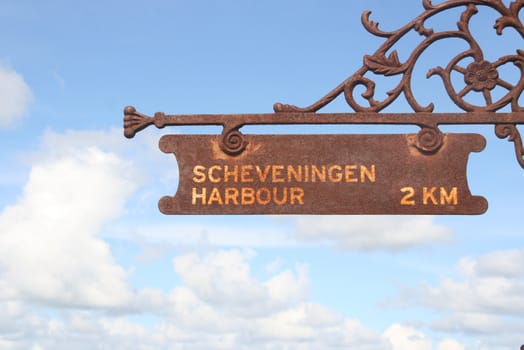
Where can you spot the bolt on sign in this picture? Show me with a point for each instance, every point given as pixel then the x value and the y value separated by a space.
pixel 418 173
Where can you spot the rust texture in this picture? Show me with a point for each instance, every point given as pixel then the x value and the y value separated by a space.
pixel 362 176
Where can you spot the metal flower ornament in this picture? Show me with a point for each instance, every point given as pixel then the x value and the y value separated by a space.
pixel 481 76
pixel 246 174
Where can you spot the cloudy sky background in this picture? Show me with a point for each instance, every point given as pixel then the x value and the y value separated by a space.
pixel 88 262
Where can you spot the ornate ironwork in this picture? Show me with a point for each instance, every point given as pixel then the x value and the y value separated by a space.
pixel 480 76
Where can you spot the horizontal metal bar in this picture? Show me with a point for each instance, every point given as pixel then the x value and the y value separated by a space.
pixel 422 119
pixel 135 121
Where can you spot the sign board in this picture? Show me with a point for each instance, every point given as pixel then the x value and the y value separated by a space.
pixel 322 174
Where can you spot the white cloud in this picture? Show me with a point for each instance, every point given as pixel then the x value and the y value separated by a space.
pixel 364 233
pixel 49 249
pixel 275 265
pixel 15 96
pixel 288 285
pixel 493 283
pixel 224 280
pixel 507 263
pixel 450 344
pixel 218 278
pixel 406 338
pixel 214 307
pixel 190 317
pixel 484 300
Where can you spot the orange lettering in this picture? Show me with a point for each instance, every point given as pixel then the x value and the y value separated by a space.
pixel 245 173
pixel 263 192
pixel 350 173
pixel 296 194
pixel 215 197
pixel 283 199
pixel 231 195
pixel 262 175
pixel 198 171
pixel 277 173
pixel 335 177
pixel 367 173
pixel 210 175
pixel 248 196
pixel 230 173
pixel 196 196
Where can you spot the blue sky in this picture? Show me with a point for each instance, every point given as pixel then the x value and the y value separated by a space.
pixel 86 259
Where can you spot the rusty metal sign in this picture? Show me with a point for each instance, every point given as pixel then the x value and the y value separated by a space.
pixel 301 174
pixel 422 173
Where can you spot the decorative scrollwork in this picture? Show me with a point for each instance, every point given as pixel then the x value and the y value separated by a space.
pixel 479 76
pixel 232 141
pixel 511 132
pixel 429 140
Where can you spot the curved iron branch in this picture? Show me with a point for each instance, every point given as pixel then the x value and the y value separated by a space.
pixel 385 61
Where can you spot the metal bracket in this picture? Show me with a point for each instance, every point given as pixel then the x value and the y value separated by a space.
pixel 480 77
